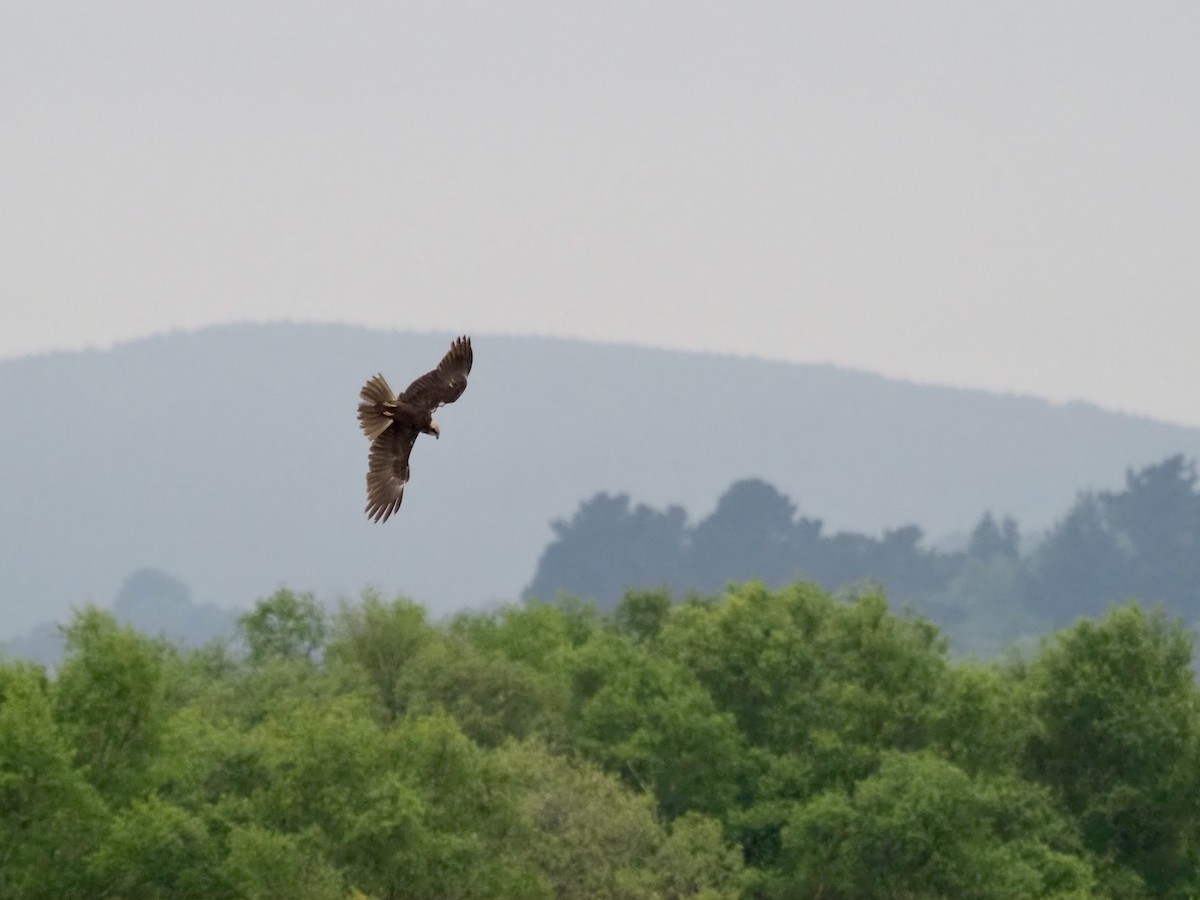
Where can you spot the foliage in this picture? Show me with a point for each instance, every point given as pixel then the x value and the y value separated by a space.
pixel 154 849
pixel 759 743
pixel 268 865
pixel 286 625
pixel 920 827
pixel 649 720
pixel 594 838
pixel 51 814
pixel 1117 738
pixel 379 639
pixel 110 700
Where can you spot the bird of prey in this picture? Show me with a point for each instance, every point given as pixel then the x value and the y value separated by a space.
pixel 392 423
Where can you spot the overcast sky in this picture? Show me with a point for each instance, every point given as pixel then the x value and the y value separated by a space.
pixel 1003 195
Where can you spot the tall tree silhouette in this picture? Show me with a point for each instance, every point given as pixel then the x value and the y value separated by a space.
pixel 749 535
pixel 608 547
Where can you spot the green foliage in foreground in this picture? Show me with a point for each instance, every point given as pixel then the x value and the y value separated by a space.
pixel 763 744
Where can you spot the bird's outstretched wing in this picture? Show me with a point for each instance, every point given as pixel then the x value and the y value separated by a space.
pixel 387 470
pixel 446 383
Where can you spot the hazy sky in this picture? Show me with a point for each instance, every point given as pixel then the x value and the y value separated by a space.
pixel 1003 195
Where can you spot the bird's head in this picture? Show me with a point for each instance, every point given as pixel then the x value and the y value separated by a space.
pixel 433 429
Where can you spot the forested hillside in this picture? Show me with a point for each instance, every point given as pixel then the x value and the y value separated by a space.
pixel 230 458
pixel 759 744
pixel 1142 540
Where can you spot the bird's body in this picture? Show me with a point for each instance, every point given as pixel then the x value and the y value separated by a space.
pixel 392 422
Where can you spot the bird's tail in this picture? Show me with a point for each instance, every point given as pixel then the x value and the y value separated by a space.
pixel 374 412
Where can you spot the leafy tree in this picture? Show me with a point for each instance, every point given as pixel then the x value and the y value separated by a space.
pixel 267 865
pixel 470 832
pixel 818 689
pixel 208 760
pixel 981 719
pixel 794 664
pixel 920 827
pixel 887 670
pixel 695 861
pixel 757 654
pixel 379 639
pixel 592 837
pixel 641 615
pixel 552 750
pixel 110 700
pixel 52 816
pixel 410 811
pixel 649 720
pixel 539 634
pixel 490 696
pixel 156 850
pixel 1117 733
pixel 285 625
pixel 319 760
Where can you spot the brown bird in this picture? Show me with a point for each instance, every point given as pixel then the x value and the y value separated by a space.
pixel 392 423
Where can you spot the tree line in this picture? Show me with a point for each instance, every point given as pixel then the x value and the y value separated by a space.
pixel 1142 540
pixel 755 743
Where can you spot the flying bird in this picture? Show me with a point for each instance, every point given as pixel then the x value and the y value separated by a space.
pixel 392 423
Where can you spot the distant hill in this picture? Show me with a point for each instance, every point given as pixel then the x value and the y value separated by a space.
pixel 230 458
pixel 154 603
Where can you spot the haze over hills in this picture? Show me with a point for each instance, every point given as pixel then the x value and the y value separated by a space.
pixel 231 459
